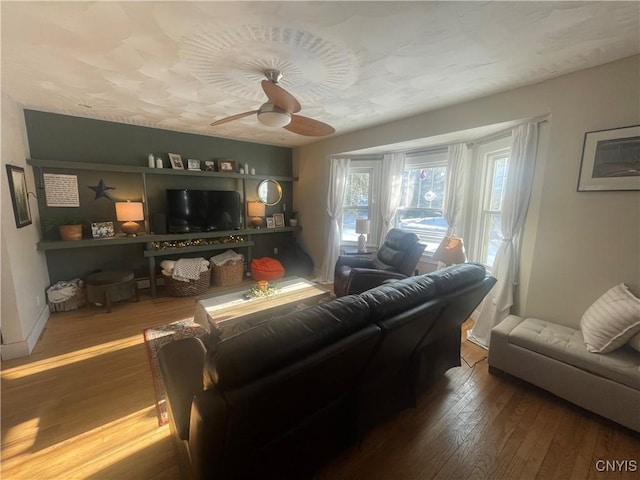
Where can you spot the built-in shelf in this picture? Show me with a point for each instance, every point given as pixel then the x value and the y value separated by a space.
pixel 151 252
pixel 146 170
pixel 143 238
pixel 91 242
pixel 196 248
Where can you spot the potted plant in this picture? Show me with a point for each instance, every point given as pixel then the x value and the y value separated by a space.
pixel 293 221
pixel 70 228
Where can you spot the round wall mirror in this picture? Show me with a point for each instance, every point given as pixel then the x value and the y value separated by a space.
pixel 270 192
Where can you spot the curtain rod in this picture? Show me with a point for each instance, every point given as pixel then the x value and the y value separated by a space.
pixel 507 131
pixel 371 156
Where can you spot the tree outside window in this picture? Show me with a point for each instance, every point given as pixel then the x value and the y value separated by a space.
pixel 359 200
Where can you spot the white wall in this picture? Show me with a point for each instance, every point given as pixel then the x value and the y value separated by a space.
pixel 24 277
pixel 577 245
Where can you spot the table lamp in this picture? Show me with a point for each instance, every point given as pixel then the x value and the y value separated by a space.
pixel 362 227
pixel 450 251
pixel 256 211
pixel 130 213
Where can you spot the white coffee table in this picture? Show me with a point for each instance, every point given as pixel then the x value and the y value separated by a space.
pixel 230 312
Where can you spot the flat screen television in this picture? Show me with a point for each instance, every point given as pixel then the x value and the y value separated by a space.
pixel 203 210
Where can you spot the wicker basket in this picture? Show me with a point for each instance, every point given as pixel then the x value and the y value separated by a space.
pixel 228 274
pixel 73 303
pixel 177 288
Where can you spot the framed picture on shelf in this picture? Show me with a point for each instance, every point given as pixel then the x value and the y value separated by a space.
pixel 278 220
pixel 209 165
pixel 610 160
pixel 176 161
pixel 19 195
pixel 102 230
pixel 226 165
pixel 193 164
pixel 270 222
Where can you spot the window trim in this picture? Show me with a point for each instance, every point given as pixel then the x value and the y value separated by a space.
pixel 433 158
pixel 373 167
pixel 480 196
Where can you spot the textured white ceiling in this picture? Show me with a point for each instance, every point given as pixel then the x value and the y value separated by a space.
pixel 182 65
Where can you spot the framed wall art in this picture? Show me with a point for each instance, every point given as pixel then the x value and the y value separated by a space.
pixel 176 161
pixel 278 220
pixel 610 160
pixel 226 166
pixel 19 195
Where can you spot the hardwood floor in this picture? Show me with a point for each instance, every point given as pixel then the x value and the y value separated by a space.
pixel 82 406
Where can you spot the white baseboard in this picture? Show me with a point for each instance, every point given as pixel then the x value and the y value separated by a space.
pixel 15 350
pixel 25 347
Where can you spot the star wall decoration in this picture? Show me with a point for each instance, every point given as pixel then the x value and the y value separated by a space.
pixel 102 190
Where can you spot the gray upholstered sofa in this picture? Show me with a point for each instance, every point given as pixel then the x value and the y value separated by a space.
pixel 555 358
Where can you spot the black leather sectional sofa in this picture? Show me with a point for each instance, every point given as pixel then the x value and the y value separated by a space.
pixel 278 399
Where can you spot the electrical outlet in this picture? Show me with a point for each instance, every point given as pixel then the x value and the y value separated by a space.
pixel 275 251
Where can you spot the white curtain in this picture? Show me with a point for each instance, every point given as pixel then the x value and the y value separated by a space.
pixel 335 201
pixel 390 191
pixel 455 187
pixel 497 304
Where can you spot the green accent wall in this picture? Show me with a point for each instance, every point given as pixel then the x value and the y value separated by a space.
pixel 74 139
pixel 63 137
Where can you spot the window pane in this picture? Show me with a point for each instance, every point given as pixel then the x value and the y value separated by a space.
pixel 349 217
pixel 422 221
pixel 495 174
pixel 357 190
pixel 422 201
pixel 356 204
pixel 498 183
pixel 423 187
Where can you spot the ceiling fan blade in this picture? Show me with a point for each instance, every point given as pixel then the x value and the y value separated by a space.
pixel 309 127
pixel 280 97
pixel 233 117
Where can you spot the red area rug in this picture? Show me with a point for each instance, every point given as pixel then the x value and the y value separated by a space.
pixel 155 338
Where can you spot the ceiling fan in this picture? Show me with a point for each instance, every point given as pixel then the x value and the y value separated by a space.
pixel 280 111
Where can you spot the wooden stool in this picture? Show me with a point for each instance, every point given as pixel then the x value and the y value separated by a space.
pixel 107 287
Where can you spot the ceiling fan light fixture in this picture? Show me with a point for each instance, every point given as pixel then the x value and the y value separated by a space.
pixel 273 116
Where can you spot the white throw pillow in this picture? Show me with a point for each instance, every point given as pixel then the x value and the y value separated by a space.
pixel 635 342
pixel 611 321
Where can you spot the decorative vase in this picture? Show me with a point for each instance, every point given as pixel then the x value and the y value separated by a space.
pixel 70 232
pixel 293 222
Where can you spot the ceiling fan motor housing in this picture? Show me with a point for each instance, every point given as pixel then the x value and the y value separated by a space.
pixel 273 76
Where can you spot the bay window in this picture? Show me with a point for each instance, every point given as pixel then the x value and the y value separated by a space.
pixel 423 184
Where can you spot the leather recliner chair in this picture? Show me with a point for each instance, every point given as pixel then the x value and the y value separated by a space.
pixel 397 258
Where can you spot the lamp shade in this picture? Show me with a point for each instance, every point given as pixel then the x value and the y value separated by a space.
pixel 362 226
pixel 255 209
pixel 129 211
pixel 450 251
